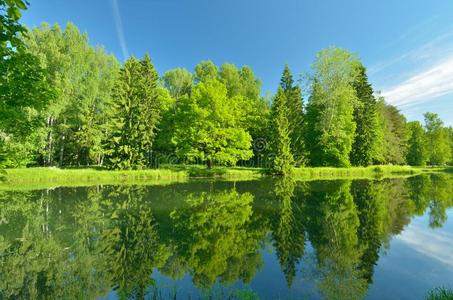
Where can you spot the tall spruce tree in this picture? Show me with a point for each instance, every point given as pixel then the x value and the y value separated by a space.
pixel 283 160
pixel 294 103
pixel 365 142
pixel 135 115
pixel 417 152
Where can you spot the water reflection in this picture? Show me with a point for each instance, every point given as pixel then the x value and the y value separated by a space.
pixel 85 243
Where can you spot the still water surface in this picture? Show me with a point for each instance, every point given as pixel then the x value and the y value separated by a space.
pixel 265 239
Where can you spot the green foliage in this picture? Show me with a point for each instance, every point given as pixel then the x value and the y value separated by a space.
pixel 178 82
pixel 393 124
pixel 216 237
pixel 24 94
pixel 440 293
pixel 367 137
pixel 131 241
pixel 289 232
pixel 417 153
pixel 334 237
pixel 82 77
pixel 208 126
pixel 64 102
pixel 438 139
pixel 330 127
pixel 10 29
pixel 136 109
pixel 450 131
pixel 294 104
pixel 283 161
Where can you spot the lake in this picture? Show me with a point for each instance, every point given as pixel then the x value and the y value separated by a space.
pixel 261 239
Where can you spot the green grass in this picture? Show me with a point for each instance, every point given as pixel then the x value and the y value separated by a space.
pixel 36 178
pixel 360 172
pixel 440 293
pixel 48 177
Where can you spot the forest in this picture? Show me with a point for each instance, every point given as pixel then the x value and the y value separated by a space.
pixel 66 103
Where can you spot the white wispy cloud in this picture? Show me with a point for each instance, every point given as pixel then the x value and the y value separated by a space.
pixel 433 82
pixel 419 75
pixel 119 28
pixel 433 244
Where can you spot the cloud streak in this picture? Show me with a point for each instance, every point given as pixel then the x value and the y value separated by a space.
pixel 119 28
pixel 436 245
pixel 433 82
pixel 420 75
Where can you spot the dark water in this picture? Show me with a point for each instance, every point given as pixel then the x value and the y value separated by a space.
pixel 267 239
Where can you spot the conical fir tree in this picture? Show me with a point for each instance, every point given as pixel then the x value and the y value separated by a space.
pixel 134 116
pixel 281 142
pixel 365 116
pixel 294 104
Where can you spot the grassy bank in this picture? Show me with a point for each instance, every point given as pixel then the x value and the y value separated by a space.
pixel 361 172
pixel 31 178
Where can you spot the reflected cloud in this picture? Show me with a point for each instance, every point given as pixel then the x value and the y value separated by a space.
pixel 436 244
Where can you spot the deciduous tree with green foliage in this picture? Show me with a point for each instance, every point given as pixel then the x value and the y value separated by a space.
pixel 83 78
pixel 10 28
pixel 135 114
pixel 393 124
pixel 439 151
pixel 330 127
pixel 417 153
pixel 24 91
pixel 208 126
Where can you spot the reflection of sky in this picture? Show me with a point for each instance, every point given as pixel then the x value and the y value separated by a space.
pixel 419 259
pixel 435 244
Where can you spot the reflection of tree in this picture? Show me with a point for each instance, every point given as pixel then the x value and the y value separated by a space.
pixel 78 243
pixel 371 210
pixel 40 264
pixel 418 187
pixel 131 242
pixel 434 192
pixel 217 237
pixel 441 199
pixel 332 227
pixel 289 235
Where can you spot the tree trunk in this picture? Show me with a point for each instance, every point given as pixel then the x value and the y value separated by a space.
pixel 62 151
pixel 48 161
pixel 209 163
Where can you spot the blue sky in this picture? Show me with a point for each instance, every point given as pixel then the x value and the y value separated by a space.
pixel 406 45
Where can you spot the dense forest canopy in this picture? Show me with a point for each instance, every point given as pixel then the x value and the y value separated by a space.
pixel 66 103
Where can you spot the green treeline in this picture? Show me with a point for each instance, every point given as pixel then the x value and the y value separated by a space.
pixel 82 242
pixel 66 103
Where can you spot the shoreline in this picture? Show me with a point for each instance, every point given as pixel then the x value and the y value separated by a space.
pixel 41 178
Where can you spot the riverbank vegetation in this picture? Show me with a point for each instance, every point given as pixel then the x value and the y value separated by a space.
pixel 40 178
pixel 66 103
